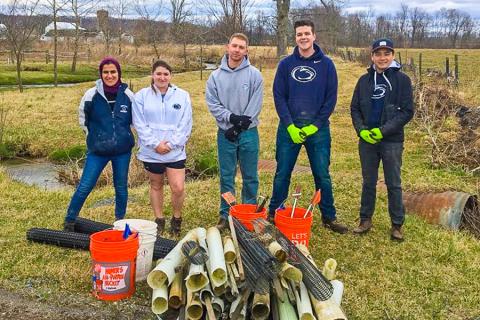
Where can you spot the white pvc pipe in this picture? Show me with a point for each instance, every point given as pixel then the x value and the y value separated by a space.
pixel 218 268
pixel 304 307
pixel 164 272
pixel 337 291
pixel 197 277
pixel 160 300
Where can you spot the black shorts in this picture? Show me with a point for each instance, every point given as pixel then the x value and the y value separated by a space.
pixel 160 168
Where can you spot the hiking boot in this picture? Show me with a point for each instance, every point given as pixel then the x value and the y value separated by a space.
pixel 363 227
pixel 160 225
pixel 335 226
pixel 222 224
pixel 69 226
pixel 396 233
pixel 175 226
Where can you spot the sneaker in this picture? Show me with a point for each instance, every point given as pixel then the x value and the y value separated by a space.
pixel 160 225
pixel 222 223
pixel 69 226
pixel 175 226
pixel 396 233
pixel 363 227
pixel 335 226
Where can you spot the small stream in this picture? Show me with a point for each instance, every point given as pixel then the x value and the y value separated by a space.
pixel 40 173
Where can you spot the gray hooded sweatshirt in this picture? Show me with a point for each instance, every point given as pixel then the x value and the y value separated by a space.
pixel 238 91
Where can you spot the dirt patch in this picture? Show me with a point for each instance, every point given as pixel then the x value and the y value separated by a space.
pixel 16 306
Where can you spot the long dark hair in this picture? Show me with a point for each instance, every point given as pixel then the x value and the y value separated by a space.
pixel 156 64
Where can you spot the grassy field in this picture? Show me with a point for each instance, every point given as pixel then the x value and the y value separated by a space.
pixel 432 275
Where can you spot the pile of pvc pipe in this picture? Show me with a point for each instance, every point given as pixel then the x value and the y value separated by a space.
pixel 203 277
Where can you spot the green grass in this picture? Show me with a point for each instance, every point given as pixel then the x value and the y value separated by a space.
pixel 41 73
pixel 432 275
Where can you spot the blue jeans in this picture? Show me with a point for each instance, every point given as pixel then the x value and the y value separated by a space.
pixel 318 150
pixel 94 166
pixel 243 151
pixel 390 153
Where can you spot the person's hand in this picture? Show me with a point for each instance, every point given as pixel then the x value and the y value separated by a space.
pixel 163 147
pixel 232 133
pixel 376 134
pixel 240 121
pixel 310 129
pixel 366 135
pixel 296 134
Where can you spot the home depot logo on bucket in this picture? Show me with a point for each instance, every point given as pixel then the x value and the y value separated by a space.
pixel 111 278
pixel 299 238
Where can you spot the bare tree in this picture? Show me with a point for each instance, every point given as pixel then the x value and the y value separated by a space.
pixel 455 22
pixel 180 18
pixel 149 16
pixel 55 6
pixel 120 10
pixel 401 20
pixel 80 9
pixel 228 16
pixel 20 24
pixel 418 22
pixel 283 9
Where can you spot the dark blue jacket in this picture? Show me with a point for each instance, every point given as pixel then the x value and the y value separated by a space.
pixel 305 89
pixel 108 131
pixel 398 108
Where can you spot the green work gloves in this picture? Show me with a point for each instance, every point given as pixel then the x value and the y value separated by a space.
pixel 309 130
pixel 296 134
pixel 376 134
pixel 367 136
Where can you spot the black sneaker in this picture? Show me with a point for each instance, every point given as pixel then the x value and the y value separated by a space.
pixel 335 226
pixel 222 223
pixel 69 226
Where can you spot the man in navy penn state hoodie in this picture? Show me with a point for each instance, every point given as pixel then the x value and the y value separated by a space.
pixel 305 94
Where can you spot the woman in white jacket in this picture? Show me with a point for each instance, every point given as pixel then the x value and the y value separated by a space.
pixel 162 116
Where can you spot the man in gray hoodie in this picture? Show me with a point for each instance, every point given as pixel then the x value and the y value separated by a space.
pixel 234 96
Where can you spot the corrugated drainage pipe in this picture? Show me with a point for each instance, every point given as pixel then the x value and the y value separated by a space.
pixel 447 209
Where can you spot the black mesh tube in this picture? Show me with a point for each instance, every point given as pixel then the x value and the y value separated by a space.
pixel 59 238
pixel 87 226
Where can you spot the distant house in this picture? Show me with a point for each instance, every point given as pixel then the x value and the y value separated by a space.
pixel 3 30
pixel 64 30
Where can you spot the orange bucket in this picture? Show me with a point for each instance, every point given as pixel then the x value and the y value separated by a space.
pixel 113 264
pixel 298 228
pixel 245 213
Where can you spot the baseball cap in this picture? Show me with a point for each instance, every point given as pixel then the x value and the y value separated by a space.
pixel 382 43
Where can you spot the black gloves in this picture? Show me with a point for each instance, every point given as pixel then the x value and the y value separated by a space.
pixel 232 133
pixel 242 122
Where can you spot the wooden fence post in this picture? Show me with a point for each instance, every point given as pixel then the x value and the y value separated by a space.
pixel 400 57
pixel 420 67
pixel 456 69
pixel 447 67
pixel 201 62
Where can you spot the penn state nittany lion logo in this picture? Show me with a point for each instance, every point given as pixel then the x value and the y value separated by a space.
pixel 303 74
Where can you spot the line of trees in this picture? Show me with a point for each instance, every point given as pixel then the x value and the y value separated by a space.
pixel 155 22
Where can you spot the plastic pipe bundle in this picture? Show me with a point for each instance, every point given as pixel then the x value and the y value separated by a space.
pixel 165 270
pixel 304 306
pixel 218 269
pixel 176 296
pixel 229 250
pixel 194 308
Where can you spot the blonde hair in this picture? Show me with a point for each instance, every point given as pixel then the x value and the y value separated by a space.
pixel 239 35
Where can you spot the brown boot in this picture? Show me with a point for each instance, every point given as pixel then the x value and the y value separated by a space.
pixel 175 226
pixel 222 224
pixel 335 226
pixel 396 233
pixel 160 225
pixel 363 227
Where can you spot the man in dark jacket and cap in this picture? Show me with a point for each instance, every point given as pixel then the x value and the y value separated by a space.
pixel 382 104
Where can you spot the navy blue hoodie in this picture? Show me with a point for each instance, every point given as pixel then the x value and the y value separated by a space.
pixel 305 89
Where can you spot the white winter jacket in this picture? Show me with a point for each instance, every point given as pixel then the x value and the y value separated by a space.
pixel 158 118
